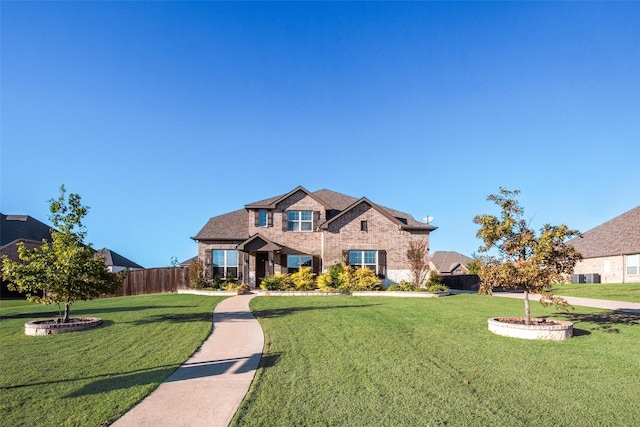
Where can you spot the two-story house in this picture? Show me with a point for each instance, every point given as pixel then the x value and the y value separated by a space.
pixel 315 229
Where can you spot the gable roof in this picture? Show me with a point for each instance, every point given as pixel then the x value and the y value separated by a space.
pixel 273 201
pixel 447 261
pixel 22 227
pixel 234 226
pixel 618 236
pixel 114 259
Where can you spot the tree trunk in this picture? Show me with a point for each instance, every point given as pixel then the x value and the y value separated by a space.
pixel 527 310
pixel 65 319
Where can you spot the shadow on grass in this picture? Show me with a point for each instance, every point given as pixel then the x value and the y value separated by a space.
pixel 145 376
pixel 53 312
pixel 173 317
pixel 185 372
pixel 279 312
pixel 605 321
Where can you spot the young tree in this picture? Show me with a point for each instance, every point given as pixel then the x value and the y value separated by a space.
pixel 65 270
pixel 418 262
pixel 525 259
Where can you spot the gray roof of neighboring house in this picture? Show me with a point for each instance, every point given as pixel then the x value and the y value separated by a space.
pixel 114 259
pixel 235 225
pixel 618 236
pixel 24 227
pixel 447 261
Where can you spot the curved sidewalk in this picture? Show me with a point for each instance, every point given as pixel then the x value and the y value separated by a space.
pixel 630 307
pixel 208 388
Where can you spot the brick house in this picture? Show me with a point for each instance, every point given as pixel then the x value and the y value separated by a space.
pixel 315 229
pixel 448 263
pixel 611 250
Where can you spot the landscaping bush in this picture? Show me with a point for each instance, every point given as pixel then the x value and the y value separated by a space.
pixel 237 287
pixel 276 282
pixel 434 283
pixel 330 281
pixel 360 279
pixel 403 286
pixel 303 279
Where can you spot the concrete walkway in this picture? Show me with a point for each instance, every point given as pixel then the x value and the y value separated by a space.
pixel 208 388
pixel 630 307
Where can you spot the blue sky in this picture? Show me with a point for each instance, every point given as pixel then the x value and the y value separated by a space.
pixel 164 114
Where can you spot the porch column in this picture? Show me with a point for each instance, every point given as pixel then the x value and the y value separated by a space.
pixel 270 267
pixel 245 267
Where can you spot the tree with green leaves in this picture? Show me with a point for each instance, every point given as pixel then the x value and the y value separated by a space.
pixel 66 269
pixel 525 259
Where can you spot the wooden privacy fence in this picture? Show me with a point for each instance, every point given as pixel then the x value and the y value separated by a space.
pixel 465 282
pixel 154 281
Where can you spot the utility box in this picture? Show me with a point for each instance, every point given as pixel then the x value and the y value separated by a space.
pixel 578 278
pixel 592 278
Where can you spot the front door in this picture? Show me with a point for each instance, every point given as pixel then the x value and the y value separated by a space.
pixel 262 258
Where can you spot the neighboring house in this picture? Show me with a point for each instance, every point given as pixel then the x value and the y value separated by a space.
pixel 448 263
pixel 21 228
pixel 611 250
pixel 116 262
pixel 188 262
pixel 30 231
pixel 315 229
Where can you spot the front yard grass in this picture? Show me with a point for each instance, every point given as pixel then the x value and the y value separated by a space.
pixel 91 378
pixel 358 361
pixel 629 292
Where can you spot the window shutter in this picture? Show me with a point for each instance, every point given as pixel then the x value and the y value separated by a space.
pixel 382 264
pixel 345 257
pixel 256 217
pixel 285 221
pixel 317 267
pixel 316 220
pixel 207 257
pixel 270 218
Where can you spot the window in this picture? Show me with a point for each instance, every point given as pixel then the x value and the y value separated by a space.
pixel 633 264
pixel 363 259
pixel 364 226
pixel 225 262
pixel 262 218
pixel 295 262
pixel 299 220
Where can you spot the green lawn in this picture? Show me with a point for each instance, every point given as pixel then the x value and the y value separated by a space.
pixel 629 292
pixel 358 361
pixel 91 378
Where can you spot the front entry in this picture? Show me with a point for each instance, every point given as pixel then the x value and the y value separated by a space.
pixel 262 258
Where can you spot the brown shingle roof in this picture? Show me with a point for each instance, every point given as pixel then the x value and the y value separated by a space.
pixel 618 236
pixel 230 226
pixel 235 225
pixel 446 261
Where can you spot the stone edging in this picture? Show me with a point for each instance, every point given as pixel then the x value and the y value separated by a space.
pixel 43 327
pixel 321 294
pixel 557 331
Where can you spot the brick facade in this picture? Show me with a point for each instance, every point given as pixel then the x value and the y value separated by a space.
pixel 341 224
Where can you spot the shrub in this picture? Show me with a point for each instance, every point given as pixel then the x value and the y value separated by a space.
pixel 276 282
pixel 198 275
pixel 366 280
pixel 303 279
pixel 236 287
pixel 330 281
pixel 434 283
pixel 403 286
